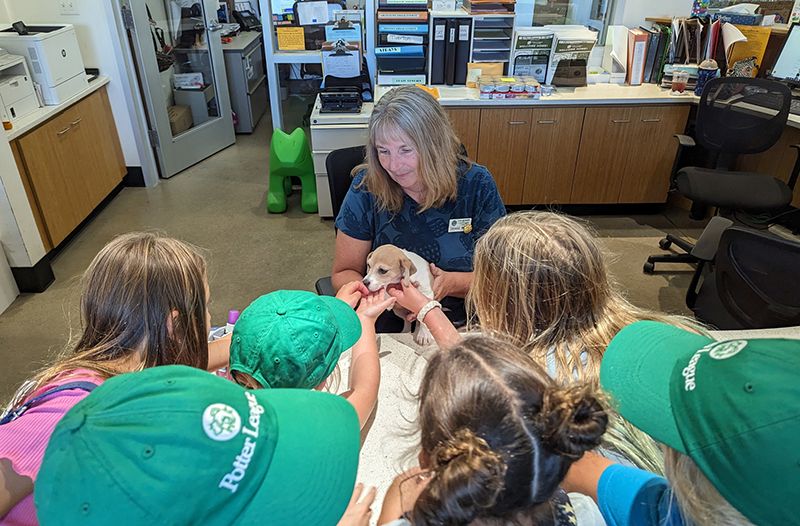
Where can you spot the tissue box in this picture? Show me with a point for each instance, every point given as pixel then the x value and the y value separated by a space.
pixel 739 18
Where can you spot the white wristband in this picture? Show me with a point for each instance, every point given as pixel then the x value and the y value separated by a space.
pixel 426 309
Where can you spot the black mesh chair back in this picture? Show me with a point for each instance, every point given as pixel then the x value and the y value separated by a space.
pixel 742 115
pixel 758 278
pixel 339 165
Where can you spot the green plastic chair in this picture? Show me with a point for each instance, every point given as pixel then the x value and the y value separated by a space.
pixel 290 156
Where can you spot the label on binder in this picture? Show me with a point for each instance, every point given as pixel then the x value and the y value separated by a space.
pixel 463 32
pixel 405 39
pixel 439 32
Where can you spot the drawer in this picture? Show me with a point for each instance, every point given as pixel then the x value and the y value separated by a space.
pixel 324 205
pixel 329 138
pixel 14 88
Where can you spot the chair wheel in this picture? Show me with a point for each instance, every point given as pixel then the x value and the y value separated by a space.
pixel 649 268
pixel 664 244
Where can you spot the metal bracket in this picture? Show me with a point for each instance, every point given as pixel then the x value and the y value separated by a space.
pixel 127 17
pixel 153 136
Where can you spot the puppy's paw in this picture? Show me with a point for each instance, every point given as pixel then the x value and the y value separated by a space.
pixel 422 336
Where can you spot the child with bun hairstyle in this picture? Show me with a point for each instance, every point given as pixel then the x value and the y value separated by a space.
pixel 294 338
pixel 542 280
pixel 497 437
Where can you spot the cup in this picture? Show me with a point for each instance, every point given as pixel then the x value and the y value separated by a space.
pixel 679 81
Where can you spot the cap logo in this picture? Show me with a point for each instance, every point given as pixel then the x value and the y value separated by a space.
pixel 221 422
pixel 725 350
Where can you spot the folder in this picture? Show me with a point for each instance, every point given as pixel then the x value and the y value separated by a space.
pixel 400 51
pixel 637 55
pixel 404 29
pixel 393 39
pixel 402 16
pixel 462 50
pixel 450 52
pixel 652 47
pixel 438 48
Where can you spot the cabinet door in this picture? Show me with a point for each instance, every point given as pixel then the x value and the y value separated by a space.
pixel 97 145
pixel 646 176
pixel 53 169
pixel 502 148
pixel 603 155
pixel 466 124
pixel 552 152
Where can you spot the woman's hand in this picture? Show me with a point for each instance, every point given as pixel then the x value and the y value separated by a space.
pixel 446 283
pixel 408 297
pixel 358 513
pixel 374 304
pixel 352 292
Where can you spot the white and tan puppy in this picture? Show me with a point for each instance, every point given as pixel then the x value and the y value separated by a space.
pixel 389 265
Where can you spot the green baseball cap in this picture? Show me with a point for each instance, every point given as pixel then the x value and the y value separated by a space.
pixel 176 445
pixel 293 338
pixel 732 406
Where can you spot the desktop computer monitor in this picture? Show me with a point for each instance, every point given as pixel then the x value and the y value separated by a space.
pixel 787 67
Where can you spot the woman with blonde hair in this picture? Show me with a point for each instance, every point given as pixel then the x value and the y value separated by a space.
pixel 541 279
pixel 144 303
pixel 497 436
pixel 418 192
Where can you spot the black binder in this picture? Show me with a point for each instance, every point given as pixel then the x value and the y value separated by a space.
pixel 462 50
pixel 450 52
pixel 438 48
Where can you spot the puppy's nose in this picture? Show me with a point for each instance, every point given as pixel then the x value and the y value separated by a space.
pixel 366 281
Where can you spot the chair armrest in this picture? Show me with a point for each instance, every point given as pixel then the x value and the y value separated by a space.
pixel 796 169
pixel 706 247
pixel 324 287
pixel 684 141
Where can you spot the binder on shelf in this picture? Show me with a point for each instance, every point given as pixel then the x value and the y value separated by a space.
pixel 400 51
pixel 438 50
pixel 402 16
pixel 637 55
pixel 450 52
pixel 392 39
pixel 462 49
pixel 652 47
pixel 404 29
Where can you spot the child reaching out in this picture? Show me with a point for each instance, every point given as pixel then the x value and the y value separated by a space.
pixel 293 339
pixel 497 437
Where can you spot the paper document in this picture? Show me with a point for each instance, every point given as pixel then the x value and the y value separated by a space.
pixel 312 13
pixel 291 38
pixel 730 36
pixel 338 62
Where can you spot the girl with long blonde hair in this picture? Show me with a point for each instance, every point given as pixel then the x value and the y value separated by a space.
pixel 144 303
pixel 419 192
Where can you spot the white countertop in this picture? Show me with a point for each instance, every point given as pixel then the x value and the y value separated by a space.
pixel 593 94
pixel 241 41
pixel 29 122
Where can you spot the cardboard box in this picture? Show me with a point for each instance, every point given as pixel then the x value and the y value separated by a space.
pixel 180 119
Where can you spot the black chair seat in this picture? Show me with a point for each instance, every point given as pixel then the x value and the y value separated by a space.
pixel 709 309
pixel 747 191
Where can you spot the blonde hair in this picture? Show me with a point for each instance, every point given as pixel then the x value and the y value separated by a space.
pixel 499 435
pixel 541 278
pixel 415 113
pixel 698 499
pixel 133 285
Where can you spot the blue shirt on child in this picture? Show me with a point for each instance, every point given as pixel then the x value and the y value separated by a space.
pixel 629 496
pixel 432 234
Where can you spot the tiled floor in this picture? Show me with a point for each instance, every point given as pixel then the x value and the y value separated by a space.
pixel 219 205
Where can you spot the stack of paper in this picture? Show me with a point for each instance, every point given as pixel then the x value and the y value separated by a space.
pixel 570 43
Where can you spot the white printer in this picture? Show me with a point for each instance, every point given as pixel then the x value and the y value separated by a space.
pixel 17 95
pixel 54 59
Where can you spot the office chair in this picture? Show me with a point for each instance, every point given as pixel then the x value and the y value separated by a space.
pixel 735 116
pixel 754 283
pixel 339 165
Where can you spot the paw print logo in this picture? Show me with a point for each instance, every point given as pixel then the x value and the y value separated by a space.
pixel 221 422
pixel 724 350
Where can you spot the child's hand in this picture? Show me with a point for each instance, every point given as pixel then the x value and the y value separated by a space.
pixel 373 305
pixel 409 297
pixel 351 293
pixel 358 513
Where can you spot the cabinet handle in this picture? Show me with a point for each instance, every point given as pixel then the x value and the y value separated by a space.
pixel 550 121
pixel 75 123
pixel 619 121
pixel 517 123
pixel 65 130
pixel 651 120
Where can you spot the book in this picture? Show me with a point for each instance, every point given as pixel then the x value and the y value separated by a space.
pixel 637 55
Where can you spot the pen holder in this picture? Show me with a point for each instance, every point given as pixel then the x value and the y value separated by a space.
pixel 703 76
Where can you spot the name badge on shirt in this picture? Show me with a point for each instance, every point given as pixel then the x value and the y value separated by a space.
pixel 460 225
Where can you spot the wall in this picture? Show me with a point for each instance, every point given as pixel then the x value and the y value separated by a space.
pixel 97 38
pixel 632 13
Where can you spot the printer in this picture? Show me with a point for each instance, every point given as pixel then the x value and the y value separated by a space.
pixel 53 56
pixel 17 95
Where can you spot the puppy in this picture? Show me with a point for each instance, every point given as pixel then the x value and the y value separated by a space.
pixel 388 265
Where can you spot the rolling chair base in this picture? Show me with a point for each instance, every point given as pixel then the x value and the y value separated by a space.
pixel 665 244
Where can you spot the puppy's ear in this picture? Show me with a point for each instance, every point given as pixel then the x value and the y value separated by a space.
pixel 369 259
pixel 409 269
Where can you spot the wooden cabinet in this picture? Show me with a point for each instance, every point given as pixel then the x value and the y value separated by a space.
pixel 503 148
pixel 71 163
pixel 552 151
pixel 466 123
pixel 626 154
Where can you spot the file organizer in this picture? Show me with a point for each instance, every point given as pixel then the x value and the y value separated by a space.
pixel 402 42
pixel 491 41
pixel 451 43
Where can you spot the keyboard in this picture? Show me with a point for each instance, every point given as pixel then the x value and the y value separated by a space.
pixel 794 106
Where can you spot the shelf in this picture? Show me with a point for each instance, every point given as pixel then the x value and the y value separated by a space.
pixel 778 29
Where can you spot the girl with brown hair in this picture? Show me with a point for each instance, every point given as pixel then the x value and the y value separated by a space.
pixel 541 279
pixel 497 437
pixel 144 303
